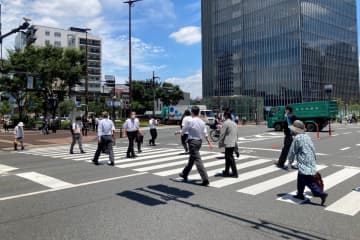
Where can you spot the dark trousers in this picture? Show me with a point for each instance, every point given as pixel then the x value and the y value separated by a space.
pixel 285 150
pixel 84 131
pixel 76 137
pixel 194 147
pixel 153 133
pixel 139 140
pixel 106 142
pixel 307 180
pixel 131 136
pixel 184 139
pixel 230 161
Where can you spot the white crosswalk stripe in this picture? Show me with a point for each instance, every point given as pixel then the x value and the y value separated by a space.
pixel 169 162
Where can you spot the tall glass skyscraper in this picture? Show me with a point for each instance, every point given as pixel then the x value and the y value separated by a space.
pixel 282 51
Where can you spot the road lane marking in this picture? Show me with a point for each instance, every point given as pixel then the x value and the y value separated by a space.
pixel 44 180
pixel 275 150
pixel 156 160
pixel 178 170
pixel 238 167
pixel 348 205
pixel 69 187
pixel 5 168
pixel 345 148
pixel 244 176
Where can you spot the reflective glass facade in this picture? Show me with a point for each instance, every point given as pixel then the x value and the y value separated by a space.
pixel 282 51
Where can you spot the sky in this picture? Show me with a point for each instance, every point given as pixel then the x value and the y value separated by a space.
pixel 166 34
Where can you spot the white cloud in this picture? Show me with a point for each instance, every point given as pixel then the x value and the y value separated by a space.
pixel 187 35
pixel 192 84
pixel 66 8
pixel 111 28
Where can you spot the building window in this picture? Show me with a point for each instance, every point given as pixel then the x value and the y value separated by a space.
pixel 71 40
pixel 57 44
pixel 47 42
pixel 57 34
pixel 47 33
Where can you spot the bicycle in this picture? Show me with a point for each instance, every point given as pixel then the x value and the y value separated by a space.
pixel 215 134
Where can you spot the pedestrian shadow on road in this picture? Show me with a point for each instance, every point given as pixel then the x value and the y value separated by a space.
pixel 165 193
pixel 155 195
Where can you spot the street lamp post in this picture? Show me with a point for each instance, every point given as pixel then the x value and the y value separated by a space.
pixel 153 88
pixel 86 71
pixel 130 2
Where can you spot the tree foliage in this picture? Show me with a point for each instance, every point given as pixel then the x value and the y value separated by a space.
pixel 143 94
pixel 55 72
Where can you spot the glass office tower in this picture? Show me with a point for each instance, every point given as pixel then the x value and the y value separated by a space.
pixel 282 51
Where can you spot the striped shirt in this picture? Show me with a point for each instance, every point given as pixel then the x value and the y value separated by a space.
pixel 105 127
pixel 131 125
pixel 302 148
pixel 196 128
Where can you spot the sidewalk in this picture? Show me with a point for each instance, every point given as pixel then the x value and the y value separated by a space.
pixel 36 138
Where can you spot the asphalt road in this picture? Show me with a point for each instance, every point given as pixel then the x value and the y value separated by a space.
pixel 46 193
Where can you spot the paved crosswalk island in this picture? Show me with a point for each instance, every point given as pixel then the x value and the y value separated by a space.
pixel 168 162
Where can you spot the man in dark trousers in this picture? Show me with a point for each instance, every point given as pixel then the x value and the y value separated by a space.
pixel 131 130
pixel 197 130
pixel 106 130
pixel 228 139
pixel 289 118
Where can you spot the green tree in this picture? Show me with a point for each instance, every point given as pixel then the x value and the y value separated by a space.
pixel 65 107
pixel 169 94
pixel 5 107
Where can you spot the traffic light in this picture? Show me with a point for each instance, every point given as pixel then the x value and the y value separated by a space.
pixel 30 35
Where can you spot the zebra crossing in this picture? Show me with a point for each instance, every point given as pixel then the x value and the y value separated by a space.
pixel 169 162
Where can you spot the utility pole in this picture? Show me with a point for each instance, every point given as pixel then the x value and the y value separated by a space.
pixel 130 2
pixel 153 88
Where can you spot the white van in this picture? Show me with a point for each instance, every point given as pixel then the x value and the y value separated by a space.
pixel 208 116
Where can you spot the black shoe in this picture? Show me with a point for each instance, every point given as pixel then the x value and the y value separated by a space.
pixel 134 156
pixel 128 156
pixel 22 148
pixel 139 151
pixel 323 198
pixel 71 152
pixel 235 175
pixel 110 163
pixel 183 176
pixel 82 151
pixel 205 183
pixel 301 197
pixel 95 162
pixel 225 174
pixel 237 154
pixel 280 166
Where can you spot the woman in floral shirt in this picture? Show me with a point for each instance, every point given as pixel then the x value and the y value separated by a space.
pixel 302 148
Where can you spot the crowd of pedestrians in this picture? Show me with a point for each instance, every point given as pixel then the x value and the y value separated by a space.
pixel 297 144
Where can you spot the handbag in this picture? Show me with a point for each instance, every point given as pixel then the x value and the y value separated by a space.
pixel 318 180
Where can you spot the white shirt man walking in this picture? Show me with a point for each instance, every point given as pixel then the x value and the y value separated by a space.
pixel 197 130
pixel 131 130
pixel 106 130
pixel 76 134
pixel 19 135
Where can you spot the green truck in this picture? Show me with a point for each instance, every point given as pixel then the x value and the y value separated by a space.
pixel 315 115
